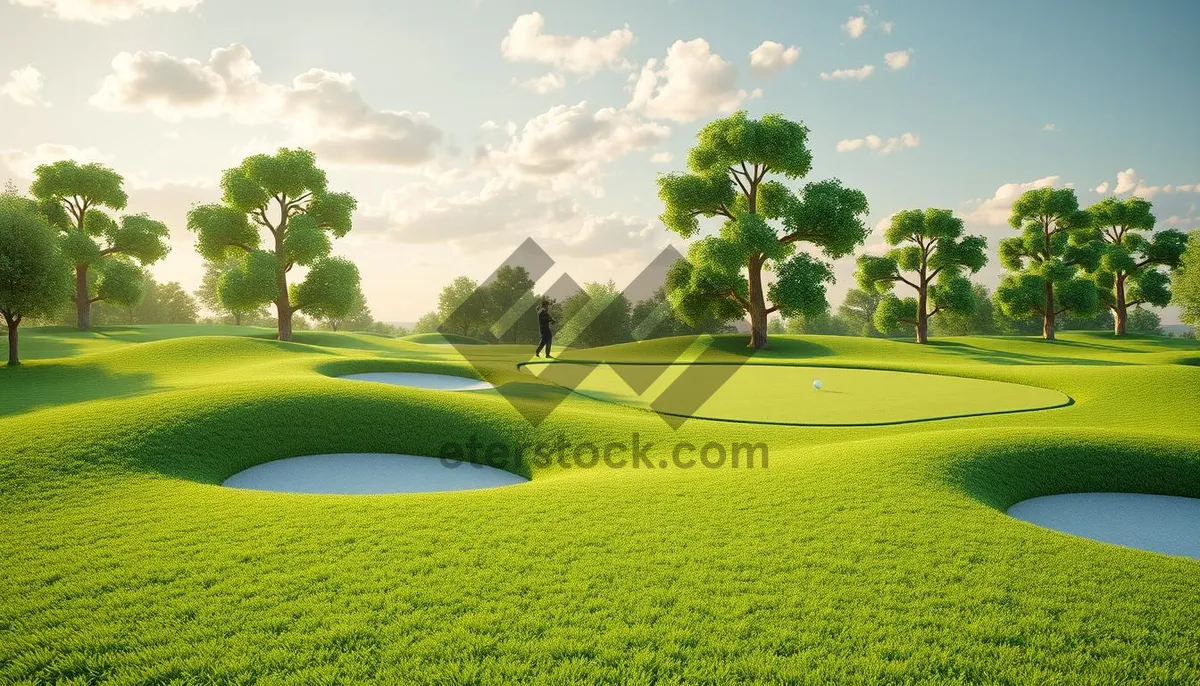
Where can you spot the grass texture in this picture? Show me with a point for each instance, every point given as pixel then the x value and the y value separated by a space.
pixel 858 554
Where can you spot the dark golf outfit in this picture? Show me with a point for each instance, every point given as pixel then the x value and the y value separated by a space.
pixel 544 325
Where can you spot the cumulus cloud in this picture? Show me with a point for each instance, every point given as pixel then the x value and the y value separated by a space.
pixel 771 57
pixel 547 83
pixel 525 42
pixel 1050 127
pixel 995 210
pixel 878 144
pixel 1129 182
pixel 567 146
pixel 692 82
pixel 855 26
pixel 661 158
pixel 849 74
pixel 898 59
pixel 320 109
pixel 106 11
pixel 24 87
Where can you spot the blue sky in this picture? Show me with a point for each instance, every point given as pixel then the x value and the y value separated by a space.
pixel 406 135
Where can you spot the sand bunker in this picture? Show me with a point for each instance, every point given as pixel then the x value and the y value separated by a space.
pixel 1162 523
pixel 437 382
pixel 369 473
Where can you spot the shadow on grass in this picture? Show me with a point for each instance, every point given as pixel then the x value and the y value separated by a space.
pixel 993 356
pixel 31 387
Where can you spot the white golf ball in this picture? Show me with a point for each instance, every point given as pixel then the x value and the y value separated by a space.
pixel 817 384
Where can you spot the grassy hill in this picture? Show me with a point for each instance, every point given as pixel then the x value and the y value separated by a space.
pixel 858 554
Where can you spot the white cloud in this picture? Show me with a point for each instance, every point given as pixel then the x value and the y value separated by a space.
pixel 898 59
pixel 1050 127
pixel 24 87
pixel 1131 183
pixel 661 158
pixel 848 74
pixel 105 11
pixel 879 144
pixel 995 210
pixel 542 85
pixel 320 109
pixel 525 42
pixel 887 26
pixel 855 26
pixel 692 83
pixel 566 146
pixel 771 57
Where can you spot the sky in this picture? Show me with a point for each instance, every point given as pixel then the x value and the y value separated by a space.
pixel 464 127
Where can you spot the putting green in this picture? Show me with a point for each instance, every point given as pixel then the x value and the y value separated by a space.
pixel 776 394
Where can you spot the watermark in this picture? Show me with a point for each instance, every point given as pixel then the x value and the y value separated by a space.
pixel 681 398
pixel 635 453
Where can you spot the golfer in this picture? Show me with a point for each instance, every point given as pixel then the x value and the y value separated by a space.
pixel 544 322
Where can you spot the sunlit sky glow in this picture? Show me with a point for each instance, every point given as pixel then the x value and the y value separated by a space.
pixel 465 126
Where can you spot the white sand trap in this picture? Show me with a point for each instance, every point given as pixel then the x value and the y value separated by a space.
pixel 1162 523
pixel 369 473
pixel 437 382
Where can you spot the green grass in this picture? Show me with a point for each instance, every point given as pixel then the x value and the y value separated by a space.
pixel 859 555
pixel 443 339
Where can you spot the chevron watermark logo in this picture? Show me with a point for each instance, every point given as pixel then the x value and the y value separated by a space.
pixel 683 386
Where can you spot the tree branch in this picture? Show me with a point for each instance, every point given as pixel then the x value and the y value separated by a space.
pixel 772 308
pixel 741 301
pixel 741 185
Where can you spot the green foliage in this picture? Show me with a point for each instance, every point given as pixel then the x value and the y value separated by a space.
pixel 857 311
pixel 1057 241
pixel 1185 282
pixel 764 223
pixel 654 317
pixel 74 198
pixel 286 196
pixel 930 255
pixel 34 277
pixel 1129 272
pixel 209 292
pixel 598 314
pixel 979 321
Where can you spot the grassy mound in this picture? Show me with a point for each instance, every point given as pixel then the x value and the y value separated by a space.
pixel 855 554
pixel 442 339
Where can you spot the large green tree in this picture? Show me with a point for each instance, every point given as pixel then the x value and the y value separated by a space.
pixel 75 198
pixel 598 314
pixel 929 254
pixel 34 277
pixel 1129 272
pixel 1044 262
pixel 764 223
pixel 286 196
pixel 1185 282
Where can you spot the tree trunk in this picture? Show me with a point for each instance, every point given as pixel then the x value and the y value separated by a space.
pixel 83 304
pixel 283 306
pixel 1120 309
pixel 758 306
pixel 12 324
pixel 922 315
pixel 1048 313
pixel 237 318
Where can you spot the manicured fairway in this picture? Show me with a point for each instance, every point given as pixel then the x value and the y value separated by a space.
pixel 858 554
pixel 785 394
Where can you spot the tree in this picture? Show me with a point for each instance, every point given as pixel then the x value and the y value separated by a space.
pixel 460 313
pixel 930 247
pixel 511 305
pixel 287 196
pixel 34 276
pixel 599 314
pixel 1145 321
pixel 1128 273
pixel 357 318
pixel 857 311
pixel 979 322
pixel 209 292
pixel 764 222
pixel 74 198
pixel 822 324
pixel 655 318
pixel 1044 262
pixel 1185 282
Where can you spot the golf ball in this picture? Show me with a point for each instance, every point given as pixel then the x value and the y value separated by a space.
pixel 817 384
